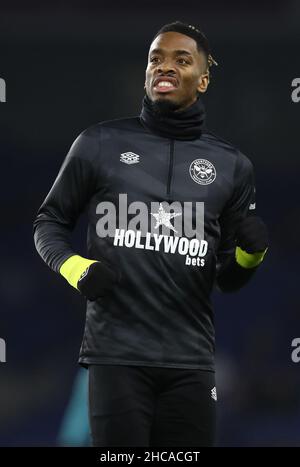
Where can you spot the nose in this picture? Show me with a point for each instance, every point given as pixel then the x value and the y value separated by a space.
pixel 166 67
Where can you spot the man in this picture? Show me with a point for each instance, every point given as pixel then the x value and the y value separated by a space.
pixel 149 333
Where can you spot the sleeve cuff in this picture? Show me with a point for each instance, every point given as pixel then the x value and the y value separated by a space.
pixel 73 267
pixel 249 260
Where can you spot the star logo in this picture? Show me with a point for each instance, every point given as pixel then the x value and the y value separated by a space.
pixel 163 218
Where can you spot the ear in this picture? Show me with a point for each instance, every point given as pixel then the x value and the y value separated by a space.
pixel 203 82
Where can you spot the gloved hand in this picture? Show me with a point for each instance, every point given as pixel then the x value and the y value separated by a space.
pixel 252 242
pixel 91 277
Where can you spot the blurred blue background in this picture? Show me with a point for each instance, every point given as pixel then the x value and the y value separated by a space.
pixel 71 64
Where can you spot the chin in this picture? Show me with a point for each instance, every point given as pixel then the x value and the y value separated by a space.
pixel 165 105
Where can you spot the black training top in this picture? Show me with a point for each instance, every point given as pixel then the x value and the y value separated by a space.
pixel 160 312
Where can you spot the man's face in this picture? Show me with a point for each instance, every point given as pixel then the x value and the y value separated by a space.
pixel 176 64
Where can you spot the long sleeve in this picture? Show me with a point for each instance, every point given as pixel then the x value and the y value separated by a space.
pixel 68 197
pixel 230 275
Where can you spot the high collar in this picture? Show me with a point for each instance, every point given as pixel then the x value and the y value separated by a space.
pixel 186 124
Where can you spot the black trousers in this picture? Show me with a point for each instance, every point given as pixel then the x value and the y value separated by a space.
pixel 151 406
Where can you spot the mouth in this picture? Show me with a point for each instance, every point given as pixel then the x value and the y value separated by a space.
pixel 164 84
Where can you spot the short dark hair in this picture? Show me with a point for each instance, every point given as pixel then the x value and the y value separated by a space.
pixel 194 33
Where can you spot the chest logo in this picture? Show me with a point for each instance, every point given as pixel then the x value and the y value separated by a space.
pixel 202 171
pixel 129 158
pixel 164 218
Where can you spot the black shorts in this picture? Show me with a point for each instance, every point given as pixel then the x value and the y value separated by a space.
pixel 151 406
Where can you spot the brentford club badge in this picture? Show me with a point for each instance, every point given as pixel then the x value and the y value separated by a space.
pixel 202 171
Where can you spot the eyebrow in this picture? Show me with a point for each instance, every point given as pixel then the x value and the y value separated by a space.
pixel 177 52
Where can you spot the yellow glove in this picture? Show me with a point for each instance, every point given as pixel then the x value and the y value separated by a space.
pixel 74 267
pixel 91 277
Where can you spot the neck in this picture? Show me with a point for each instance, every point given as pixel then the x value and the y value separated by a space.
pixel 168 120
pixel 187 105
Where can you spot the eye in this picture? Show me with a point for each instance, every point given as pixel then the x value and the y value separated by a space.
pixel 152 60
pixel 182 60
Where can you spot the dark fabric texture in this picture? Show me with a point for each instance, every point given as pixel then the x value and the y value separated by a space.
pixel 97 280
pixel 160 311
pixel 233 276
pixel 252 235
pixel 144 406
pixel 186 124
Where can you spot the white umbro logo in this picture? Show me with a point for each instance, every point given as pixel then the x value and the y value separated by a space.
pixel 213 393
pixel 252 206
pixel 129 158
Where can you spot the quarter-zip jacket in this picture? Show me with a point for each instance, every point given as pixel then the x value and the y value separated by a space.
pixel 160 312
pixel 170 166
